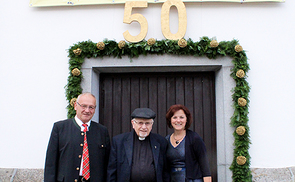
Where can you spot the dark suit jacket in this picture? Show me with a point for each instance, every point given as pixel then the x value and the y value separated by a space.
pixel 196 159
pixel 120 163
pixel 63 158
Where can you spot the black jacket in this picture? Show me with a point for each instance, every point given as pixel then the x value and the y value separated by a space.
pixel 63 158
pixel 120 163
pixel 196 160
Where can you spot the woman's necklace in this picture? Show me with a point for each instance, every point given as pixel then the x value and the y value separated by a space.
pixel 177 141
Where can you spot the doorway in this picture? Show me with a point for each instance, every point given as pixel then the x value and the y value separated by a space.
pixel 121 93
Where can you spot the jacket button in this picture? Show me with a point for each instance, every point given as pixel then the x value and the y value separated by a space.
pixel 81 144
pixel 76 180
pixel 77 169
pixel 80 156
pixel 82 133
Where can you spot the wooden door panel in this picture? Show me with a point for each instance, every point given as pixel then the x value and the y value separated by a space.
pixel 121 93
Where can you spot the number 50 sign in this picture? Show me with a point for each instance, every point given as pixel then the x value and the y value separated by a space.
pixel 129 18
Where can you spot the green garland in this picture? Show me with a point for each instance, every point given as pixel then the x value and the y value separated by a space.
pixel 205 47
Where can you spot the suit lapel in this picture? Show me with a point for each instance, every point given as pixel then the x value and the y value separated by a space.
pixel 128 145
pixel 155 149
pixel 94 136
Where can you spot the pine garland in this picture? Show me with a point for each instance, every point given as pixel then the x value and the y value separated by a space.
pixel 205 47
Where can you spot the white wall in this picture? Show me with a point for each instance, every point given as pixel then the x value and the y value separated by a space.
pixel 34 68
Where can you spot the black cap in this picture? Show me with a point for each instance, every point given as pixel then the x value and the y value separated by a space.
pixel 145 113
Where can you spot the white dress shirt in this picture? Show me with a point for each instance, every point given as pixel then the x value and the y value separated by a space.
pixel 79 122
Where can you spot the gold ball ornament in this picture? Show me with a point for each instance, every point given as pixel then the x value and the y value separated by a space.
pixel 240 73
pixel 214 43
pixel 76 72
pixel 151 41
pixel 241 160
pixel 100 45
pixel 182 43
pixel 242 102
pixel 121 44
pixel 77 51
pixel 238 48
pixel 241 130
pixel 72 102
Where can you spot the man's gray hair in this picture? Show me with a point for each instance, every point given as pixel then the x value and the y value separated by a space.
pixel 86 93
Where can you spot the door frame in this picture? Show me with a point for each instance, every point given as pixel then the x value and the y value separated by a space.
pixel 92 68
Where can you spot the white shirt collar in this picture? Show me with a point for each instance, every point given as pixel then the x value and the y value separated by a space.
pixel 79 122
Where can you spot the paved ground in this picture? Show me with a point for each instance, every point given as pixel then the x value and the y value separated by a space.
pixel 21 175
pixel 259 175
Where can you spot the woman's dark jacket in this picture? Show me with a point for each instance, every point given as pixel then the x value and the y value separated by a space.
pixel 196 160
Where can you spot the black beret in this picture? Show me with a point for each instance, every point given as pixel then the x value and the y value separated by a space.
pixel 146 113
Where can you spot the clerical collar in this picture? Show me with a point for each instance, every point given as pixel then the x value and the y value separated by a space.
pixel 79 122
pixel 140 138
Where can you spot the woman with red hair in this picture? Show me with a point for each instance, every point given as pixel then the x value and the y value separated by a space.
pixel 186 153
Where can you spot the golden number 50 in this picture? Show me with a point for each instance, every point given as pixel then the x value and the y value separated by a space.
pixel 129 18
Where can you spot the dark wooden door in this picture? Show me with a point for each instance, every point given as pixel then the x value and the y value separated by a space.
pixel 121 93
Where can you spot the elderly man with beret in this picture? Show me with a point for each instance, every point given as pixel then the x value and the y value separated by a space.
pixel 139 155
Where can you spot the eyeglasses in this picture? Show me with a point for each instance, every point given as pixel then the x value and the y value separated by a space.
pixel 85 106
pixel 141 123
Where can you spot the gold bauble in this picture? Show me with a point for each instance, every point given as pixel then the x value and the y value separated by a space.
pixel 214 43
pixel 238 48
pixel 241 160
pixel 100 45
pixel 241 130
pixel 182 43
pixel 77 51
pixel 121 44
pixel 151 41
pixel 240 73
pixel 72 102
pixel 76 72
pixel 242 102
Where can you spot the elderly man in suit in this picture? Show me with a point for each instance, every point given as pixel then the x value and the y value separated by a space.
pixel 139 155
pixel 78 148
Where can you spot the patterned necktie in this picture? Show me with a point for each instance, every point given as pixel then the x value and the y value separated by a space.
pixel 86 166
